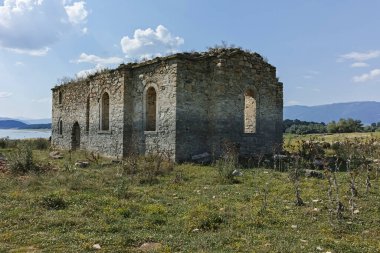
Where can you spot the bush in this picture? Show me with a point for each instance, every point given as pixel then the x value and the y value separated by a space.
pixel 156 214
pixel 21 159
pixel 303 127
pixel 7 143
pixel 147 168
pixel 122 188
pixel 150 168
pixel 345 126
pixel 228 163
pixel 4 142
pixel 40 143
pixel 130 211
pixel 202 217
pixel 53 202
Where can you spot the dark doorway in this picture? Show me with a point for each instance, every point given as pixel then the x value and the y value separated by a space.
pixel 75 137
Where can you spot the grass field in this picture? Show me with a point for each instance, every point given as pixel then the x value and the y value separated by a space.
pixel 188 209
pixel 289 138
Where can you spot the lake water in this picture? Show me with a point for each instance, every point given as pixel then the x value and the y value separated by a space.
pixel 25 134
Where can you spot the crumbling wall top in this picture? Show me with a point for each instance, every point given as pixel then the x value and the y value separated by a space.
pixel 217 52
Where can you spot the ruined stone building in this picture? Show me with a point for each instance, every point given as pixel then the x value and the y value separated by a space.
pixel 186 103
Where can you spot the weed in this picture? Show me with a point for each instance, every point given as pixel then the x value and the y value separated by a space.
pixel 227 165
pixel 295 174
pixel 53 202
pixel 21 160
pixel 40 143
pixel 264 203
pixel 122 189
pixel 204 218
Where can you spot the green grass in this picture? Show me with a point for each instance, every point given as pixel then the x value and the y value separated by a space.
pixel 188 210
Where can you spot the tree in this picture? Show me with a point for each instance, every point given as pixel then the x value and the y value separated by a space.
pixel 345 126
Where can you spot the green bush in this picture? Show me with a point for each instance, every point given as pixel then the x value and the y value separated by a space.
pixel 156 214
pixel 8 143
pixel 228 163
pixel 40 143
pixel 4 142
pixel 151 166
pixel 131 211
pixel 53 202
pixel 21 159
pixel 204 218
pixel 226 168
pixel 122 188
pixel 345 126
pixel 147 169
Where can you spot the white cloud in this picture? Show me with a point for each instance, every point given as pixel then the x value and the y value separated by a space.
pixel 42 100
pixel 359 65
pixel 292 102
pixel 368 76
pixel 31 26
pixel 360 56
pixel 311 74
pixel 150 43
pixel 98 60
pixel 86 72
pixel 31 52
pixel 77 12
pixel 4 94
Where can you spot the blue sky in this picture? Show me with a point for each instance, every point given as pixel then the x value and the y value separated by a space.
pixel 325 51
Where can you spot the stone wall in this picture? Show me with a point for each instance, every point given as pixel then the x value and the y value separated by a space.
pixel 74 109
pixel 197 102
pixel 160 76
pixel 211 102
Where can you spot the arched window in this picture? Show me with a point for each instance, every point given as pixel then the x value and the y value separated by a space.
pixel 249 112
pixel 150 109
pixel 60 97
pixel 105 115
pixel 88 114
pixel 60 126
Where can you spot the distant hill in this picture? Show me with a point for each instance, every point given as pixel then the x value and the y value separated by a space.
pixel 5 118
pixel 38 126
pixel 6 124
pixel 16 124
pixel 367 112
pixel 35 121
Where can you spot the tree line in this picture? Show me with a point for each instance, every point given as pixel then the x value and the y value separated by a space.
pixel 342 126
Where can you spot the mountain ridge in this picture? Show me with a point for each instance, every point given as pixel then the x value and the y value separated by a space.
pixel 366 111
pixel 17 124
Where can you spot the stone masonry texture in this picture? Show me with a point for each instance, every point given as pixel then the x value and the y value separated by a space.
pixel 183 104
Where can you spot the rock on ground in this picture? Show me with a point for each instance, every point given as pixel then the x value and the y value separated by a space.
pixel 55 155
pixel 148 246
